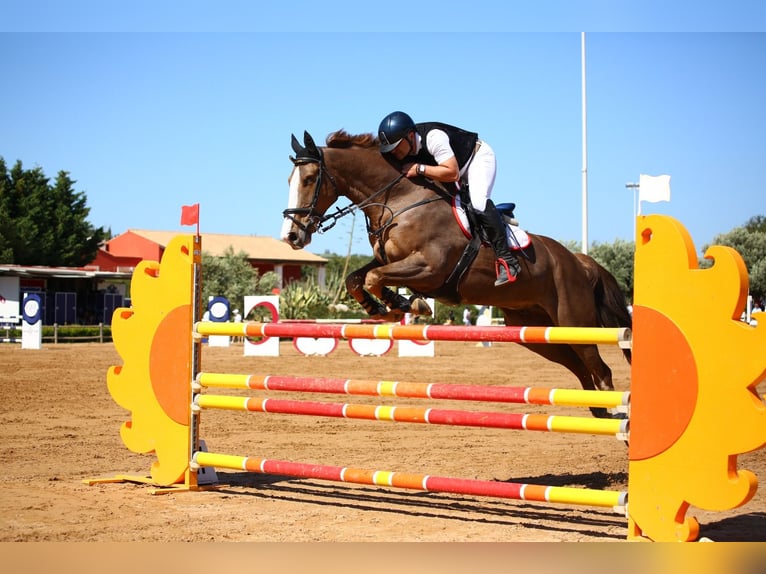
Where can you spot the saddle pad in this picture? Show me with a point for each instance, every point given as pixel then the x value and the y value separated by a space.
pixel 517 237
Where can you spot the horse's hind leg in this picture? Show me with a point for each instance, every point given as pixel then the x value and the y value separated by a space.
pixel 600 373
pixel 578 359
pixel 568 357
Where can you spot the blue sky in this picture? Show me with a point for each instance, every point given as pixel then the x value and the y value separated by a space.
pixel 150 106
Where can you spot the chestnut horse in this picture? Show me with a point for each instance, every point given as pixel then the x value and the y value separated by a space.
pixel 417 244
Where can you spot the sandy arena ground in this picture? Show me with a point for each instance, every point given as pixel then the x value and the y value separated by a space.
pixel 59 425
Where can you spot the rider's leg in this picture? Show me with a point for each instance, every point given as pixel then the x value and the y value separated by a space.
pixel 506 265
pixel 481 179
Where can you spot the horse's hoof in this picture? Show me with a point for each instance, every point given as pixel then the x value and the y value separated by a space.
pixel 419 306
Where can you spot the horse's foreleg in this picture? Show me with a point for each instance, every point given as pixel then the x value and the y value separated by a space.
pixel 355 287
pixel 368 286
pixel 407 272
pixel 396 302
pixel 393 307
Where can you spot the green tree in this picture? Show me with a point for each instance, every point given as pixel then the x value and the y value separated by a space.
pixel 756 224
pixel 571 244
pixel 749 241
pixel 617 258
pixel 340 302
pixel 232 276
pixel 44 224
pixel 336 270
pixel 7 227
pixel 304 299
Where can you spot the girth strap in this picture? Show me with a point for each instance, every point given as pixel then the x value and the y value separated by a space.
pixel 469 254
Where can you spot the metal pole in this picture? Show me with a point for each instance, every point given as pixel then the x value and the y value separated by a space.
pixel 634 187
pixel 584 157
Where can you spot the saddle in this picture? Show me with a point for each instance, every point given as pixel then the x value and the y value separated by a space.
pixel 506 210
pixel 471 228
pixel 474 231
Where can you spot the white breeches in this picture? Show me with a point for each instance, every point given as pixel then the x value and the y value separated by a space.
pixel 481 176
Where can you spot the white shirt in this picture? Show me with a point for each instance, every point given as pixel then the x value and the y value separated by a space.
pixel 479 171
pixel 437 144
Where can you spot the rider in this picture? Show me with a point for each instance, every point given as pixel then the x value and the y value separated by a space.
pixel 451 154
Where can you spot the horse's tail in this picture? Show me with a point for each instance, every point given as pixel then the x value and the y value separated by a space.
pixel 610 300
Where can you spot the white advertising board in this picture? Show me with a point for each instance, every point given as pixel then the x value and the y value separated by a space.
pixel 10 311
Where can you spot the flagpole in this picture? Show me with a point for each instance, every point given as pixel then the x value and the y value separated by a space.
pixel 634 187
pixel 584 156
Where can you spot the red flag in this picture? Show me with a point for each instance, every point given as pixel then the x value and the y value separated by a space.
pixel 190 214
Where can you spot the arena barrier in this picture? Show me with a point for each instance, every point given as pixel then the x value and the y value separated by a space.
pixel 677 455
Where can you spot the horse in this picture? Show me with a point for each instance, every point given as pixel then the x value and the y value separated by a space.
pixel 417 243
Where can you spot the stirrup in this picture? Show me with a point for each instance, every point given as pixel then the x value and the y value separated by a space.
pixel 504 273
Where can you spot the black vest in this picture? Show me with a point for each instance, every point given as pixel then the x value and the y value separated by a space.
pixel 462 142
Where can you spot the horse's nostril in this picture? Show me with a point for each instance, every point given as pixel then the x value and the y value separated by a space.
pixel 292 237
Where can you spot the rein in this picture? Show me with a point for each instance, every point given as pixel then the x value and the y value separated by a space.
pixel 394 215
pixel 351 208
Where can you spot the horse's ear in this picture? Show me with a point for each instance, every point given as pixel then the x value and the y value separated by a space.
pixel 297 147
pixel 311 147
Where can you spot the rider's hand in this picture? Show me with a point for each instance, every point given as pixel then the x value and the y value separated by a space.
pixel 410 170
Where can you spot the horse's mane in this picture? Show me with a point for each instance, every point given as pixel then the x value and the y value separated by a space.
pixel 343 139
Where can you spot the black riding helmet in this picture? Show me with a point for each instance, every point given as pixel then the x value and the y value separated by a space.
pixel 394 127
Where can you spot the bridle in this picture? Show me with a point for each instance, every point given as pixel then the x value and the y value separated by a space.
pixel 316 222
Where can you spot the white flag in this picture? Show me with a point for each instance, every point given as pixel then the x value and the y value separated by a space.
pixel 654 188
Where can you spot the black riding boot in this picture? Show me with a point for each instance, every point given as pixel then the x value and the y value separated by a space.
pixel 507 265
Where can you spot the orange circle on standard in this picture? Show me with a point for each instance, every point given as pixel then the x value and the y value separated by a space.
pixel 168 364
pixel 662 404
